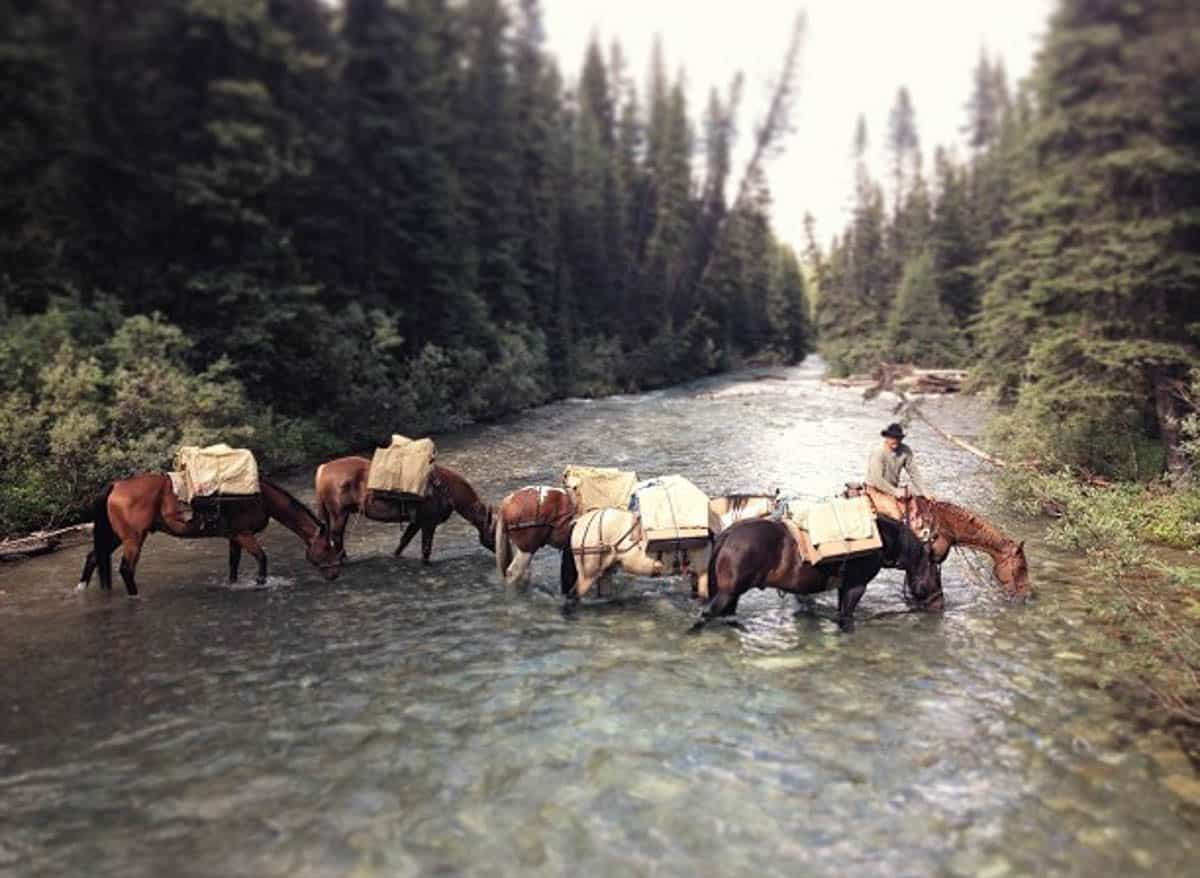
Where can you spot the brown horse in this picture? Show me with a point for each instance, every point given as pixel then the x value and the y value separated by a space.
pixel 130 509
pixel 946 525
pixel 526 520
pixel 763 553
pixel 950 525
pixel 341 489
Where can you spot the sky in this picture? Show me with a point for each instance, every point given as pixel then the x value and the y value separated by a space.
pixel 855 55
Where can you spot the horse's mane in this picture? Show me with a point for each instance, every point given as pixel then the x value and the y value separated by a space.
pixel 292 501
pixel 908 545
pixel 985 530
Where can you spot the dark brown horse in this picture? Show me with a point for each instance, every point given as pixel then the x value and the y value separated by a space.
pixel 130 509
pixel 526 520
pixel 341 489
pixel 763 553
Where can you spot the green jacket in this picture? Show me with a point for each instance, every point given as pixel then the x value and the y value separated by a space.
pixel 884 467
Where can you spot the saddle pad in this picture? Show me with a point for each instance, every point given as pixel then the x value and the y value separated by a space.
pixel 404 467
pixel 593 487
pixel 671 508
pixel 835 528
pixel 216 469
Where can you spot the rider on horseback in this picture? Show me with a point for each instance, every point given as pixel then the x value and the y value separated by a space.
pixel 888 460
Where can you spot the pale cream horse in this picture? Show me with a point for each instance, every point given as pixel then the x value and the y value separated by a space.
pixel 735 507
pixel 603 539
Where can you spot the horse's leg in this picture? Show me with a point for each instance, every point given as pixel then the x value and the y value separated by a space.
pixel 409 533
pixel 235 558
pixel 132 550
pixel 723 603
pixel 250 543
pixel 848 598
pixel 518 570
pixel 89 565
pixel 427 531
pixel 336 525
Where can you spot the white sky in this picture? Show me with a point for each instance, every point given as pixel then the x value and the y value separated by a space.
pixel 855 55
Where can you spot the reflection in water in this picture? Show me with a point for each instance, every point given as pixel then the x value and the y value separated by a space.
pixel 406 720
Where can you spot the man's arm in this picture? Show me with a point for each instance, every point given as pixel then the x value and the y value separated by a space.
pixel 875 475
pixel 914 476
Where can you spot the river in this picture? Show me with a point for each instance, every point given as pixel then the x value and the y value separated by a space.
pixel 412 721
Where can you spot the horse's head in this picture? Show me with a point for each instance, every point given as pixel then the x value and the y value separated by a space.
pixel 323 555
pixel 904 549
pixel 924 578
pixel 1012 570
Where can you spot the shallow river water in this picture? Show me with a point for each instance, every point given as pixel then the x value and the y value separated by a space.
pixel 410 721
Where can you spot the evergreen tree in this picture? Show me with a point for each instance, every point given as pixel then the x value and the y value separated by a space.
pixel 1093 297
pixel 919 330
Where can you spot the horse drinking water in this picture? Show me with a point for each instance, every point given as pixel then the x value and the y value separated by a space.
pixel 945 525
pixel 763 553
pixel 130 509
pixel 341 489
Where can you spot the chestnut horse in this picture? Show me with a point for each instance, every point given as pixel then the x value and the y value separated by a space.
pixel 526 520
pixel 341 489
pixel 130 509
pixel 946 525
pixel 763 553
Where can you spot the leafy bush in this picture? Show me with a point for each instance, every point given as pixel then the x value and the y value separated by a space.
pixel 96 411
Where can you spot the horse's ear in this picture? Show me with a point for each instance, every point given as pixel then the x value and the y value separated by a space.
pixel 1021 546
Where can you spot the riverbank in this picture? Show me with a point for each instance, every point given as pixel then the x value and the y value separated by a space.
pixel 1140 545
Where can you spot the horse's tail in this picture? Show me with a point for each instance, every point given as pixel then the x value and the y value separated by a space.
pixel 104 538
pixel 712 561
pixel 319 497
pixel 503 546
pixel 568 572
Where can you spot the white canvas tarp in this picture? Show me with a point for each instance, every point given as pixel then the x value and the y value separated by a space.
pixel 217 469
pixel 672 508
pixel 594 487
pixel 404 467
pixel 836 528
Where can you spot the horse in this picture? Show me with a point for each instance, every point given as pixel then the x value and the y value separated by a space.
pixel 946 525
pixel 341 489
pixel 764 553
pixel 130 509
pixel 601 542
pixel 602 539
pixel 525 521
pixel 736 507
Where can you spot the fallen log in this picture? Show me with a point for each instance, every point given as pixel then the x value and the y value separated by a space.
pixel 906 377
pixel 42 542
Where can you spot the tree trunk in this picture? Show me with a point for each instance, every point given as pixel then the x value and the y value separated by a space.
pixel 1166 407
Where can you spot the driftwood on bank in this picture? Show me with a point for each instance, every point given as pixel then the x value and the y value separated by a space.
pixel 905 378
pixel 43 541
pixel 901 379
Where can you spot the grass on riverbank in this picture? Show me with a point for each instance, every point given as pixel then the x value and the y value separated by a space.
pixel 1151 606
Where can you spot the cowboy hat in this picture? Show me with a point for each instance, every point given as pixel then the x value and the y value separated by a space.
pixel 893 431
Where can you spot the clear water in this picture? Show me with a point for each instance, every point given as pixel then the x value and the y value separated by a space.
pixel 410 721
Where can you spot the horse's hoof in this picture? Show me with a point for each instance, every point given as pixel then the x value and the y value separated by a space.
pixel 426 561
pixel 260 581
pixel 696 628
pixel 81 586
